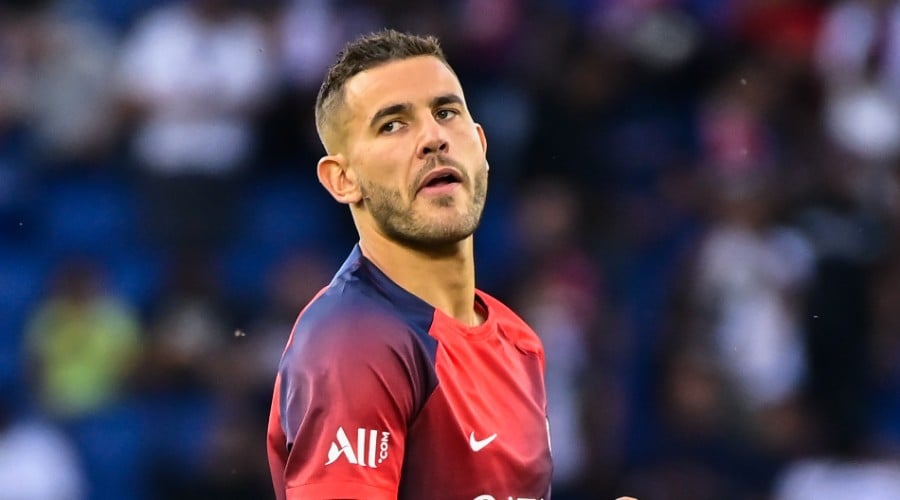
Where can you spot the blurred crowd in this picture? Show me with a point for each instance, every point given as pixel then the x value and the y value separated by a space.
pixel 696 204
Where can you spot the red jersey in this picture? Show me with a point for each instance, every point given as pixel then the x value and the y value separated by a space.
pixel 381 396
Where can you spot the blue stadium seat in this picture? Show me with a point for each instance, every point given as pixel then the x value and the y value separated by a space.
pixel 496 254
pixel 23 276
pixel 285 213
pixel 280 216
pixel 244 269
pixel 88 216
pixel 136 276
pixel 121 15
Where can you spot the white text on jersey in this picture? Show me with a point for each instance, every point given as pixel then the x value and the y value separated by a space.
pixel 370 450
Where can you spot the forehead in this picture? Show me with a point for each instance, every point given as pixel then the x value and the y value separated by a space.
pixel 415 80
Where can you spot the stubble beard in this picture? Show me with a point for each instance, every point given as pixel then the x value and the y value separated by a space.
pixel 421 229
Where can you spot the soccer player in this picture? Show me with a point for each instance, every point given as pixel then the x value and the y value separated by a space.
pixel 401 379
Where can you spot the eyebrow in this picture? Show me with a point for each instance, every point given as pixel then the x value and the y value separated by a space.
pixel 404 107
pixel 393 109
pixel 445 99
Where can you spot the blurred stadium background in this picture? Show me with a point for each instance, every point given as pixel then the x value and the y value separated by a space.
pixel 696 203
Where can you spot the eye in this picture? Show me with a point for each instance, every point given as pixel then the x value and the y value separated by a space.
pixel 390 127
pixel 445 114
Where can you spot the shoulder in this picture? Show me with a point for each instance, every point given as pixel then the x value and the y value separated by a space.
pixel 352 322
pixel 352 349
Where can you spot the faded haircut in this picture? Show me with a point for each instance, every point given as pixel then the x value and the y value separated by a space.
pixel 364 53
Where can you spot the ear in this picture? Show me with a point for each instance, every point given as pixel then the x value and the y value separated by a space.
pixel 481 137
pixel 339 181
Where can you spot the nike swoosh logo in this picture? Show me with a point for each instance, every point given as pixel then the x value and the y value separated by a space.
pixel 479 444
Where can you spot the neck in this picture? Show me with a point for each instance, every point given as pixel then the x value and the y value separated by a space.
pixel 443 279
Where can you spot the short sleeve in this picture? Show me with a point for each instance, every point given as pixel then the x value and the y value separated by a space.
pixel 347 388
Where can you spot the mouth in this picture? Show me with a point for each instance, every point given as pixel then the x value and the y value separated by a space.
pixel 441 179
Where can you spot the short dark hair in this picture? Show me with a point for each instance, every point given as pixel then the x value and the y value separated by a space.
pixel 364 53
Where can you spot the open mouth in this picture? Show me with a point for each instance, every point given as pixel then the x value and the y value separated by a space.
pixel 441 177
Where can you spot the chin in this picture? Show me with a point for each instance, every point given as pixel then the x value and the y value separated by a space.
pixel 437 233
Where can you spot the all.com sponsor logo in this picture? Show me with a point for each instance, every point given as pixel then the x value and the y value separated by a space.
pixel 371 447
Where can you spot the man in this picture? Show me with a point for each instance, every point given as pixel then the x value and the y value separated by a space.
pixel 400 379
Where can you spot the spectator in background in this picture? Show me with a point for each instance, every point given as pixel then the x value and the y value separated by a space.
pixel 557 294
pixel 207 386
pixel 750 270
pixel 82 346
pixel 848 237
pixel 849 216
pixel 886 349
pixel 82 343
pixel 17 46
pixel 186 334
pixel 870 58
pixel 18 25
pixel 732 359
pixel 750 274
pixel 310 32
pixel 306 33
pixel 737 370
pixel 846 478
pixel 69 99
pixel 234 463
pixel 861 77
pixel 194 73
pixel 37 461
pixel 695 454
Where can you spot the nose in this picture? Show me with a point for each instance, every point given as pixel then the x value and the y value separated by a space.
pixel 433 140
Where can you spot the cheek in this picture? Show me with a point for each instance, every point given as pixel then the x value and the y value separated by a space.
pixel 471 141
pixel 372 165
pixel 381 176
